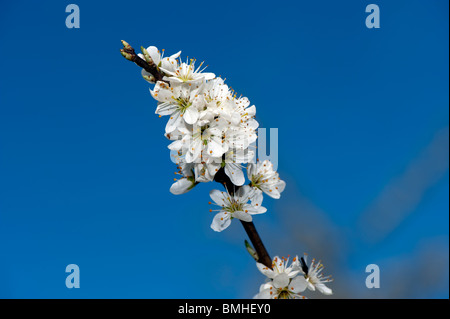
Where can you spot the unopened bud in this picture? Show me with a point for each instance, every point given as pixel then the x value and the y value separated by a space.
pixel 251 251
pixel 126 45
pixel 147 57
pixel 127 55
pixel 149 78
pixel 127 51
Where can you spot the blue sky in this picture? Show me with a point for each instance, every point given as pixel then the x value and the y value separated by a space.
pixel 362 116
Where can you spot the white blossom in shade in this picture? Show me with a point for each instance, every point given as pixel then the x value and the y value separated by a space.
pixel 187 73
pixel 187 182
pixel 195 151
pixel 263 177
pixel 179 102
pixel 233 165
pixel 234 172
pixel 183 185
pixel 283 281
pixel 206 170
pixel 313 275
pixel 241 205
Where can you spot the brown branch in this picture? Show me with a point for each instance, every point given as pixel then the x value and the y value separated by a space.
pixel 263 255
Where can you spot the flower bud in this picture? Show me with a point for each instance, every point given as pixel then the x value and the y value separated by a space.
pixel 149 78
pixel 251 251
pixel 147 57
pixel 126 45
pixel 127 55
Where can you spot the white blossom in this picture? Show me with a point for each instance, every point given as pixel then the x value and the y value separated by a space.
pixel 313 275
pixel 241 205
pixel 187 182
pixel 212 129
pixel 283 281
pixel 233 165
pixel 186 73
pixel 179 102
pixel 287 282
pixel 264 178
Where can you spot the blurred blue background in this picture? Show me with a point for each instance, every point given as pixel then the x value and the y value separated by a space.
pixel 362 116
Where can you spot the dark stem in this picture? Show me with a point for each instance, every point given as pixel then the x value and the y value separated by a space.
pixel 250 229
pixel 263 255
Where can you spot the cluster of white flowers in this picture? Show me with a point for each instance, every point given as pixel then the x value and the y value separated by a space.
pixel 211 128
pixel 287 282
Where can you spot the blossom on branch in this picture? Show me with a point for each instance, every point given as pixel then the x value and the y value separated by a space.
pixel 313 275
pixel 265 179
pixel 212 132
pixel 287 282
pixel 282 281
pixel 241 205
pixel 152 56
pixel 209 126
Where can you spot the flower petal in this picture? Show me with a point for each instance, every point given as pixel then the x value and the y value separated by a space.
pixel 264 294
pixel 266 271
pixel 181 186
pixel 257 198
pixel 281 280
pixel 191 115
pixel 154 54
pixel 173 122
pixel 251 170
pixel 234 172
pixel 242 216
pixel 218 197
pixel 208 75
pixel 220 222
pixel 281 185
pixel 298 284
pixel 324 289
pixel 254 210
pixel 215 148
